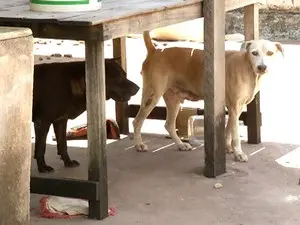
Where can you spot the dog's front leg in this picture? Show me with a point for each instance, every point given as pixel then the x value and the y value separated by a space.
pixel 60 128
pixel 233 123
pixel 41 128
pixel 173 104
pixel 228 138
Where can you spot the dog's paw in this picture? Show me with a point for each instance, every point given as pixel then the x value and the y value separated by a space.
pixel 141 147
pixel 240 156
pixel 72 163
pixel 185 147
pixel 45 169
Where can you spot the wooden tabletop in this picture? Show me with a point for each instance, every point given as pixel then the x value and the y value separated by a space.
pixel 117 17
pixel 111 10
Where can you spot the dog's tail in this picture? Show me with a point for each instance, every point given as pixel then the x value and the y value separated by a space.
pixel 147 39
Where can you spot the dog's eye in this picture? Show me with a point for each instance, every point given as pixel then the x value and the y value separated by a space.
pixel 255 53
pixel 269 53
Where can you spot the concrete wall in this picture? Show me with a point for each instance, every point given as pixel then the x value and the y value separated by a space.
pixel 279 20
pixel 274 24
pixel 283 3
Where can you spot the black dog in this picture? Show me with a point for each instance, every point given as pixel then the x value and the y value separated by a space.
pixel 59 94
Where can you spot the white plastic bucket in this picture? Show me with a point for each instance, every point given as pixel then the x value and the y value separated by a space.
pixel 64 5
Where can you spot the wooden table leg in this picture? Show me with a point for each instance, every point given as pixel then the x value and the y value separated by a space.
pixel 214 88
pixel 119 50
pixel 95 89
pixel 251 23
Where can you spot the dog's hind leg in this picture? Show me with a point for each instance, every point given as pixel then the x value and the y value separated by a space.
pixel 60 128
pixel 41 129
pixel 173 104
pixel 147 105
pixel 153 89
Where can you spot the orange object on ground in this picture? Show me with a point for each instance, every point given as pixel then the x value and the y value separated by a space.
pixel 80 132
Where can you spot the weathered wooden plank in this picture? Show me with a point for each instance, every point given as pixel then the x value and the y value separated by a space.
pixel 18 10
pixel 235 4
pixel 160 113
pixel 56 31
pixel 71 188
pixel 251 22
pixel 131 8
pixel 127 9
pixel 22 12
pixel 96 119
pixel 8 4
pixel 118 18
pixel 111 10
pixel 119 50
pixel 49 25
pixel 149 21
pixel 214 87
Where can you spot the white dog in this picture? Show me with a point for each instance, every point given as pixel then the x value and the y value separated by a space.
pixel 177 74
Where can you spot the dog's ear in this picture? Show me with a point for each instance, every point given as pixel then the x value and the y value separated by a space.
pixel 279 48
pixel 114 67
pixel 245 45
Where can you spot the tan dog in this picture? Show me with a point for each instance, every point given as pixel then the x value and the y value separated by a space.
pixel 177 74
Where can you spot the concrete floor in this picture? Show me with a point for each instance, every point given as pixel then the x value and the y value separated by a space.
pixel 165 186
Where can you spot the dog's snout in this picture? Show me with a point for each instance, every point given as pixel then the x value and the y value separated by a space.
pixel 262 68
pixel 134 88
pixel 130 88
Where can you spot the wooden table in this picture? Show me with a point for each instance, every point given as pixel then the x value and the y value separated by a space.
pixel 115 20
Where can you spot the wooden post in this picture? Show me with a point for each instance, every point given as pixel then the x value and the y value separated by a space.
pixel 214 87
pixel 119 50
pixel 95 92
pixel 16 85
pixel 251 24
